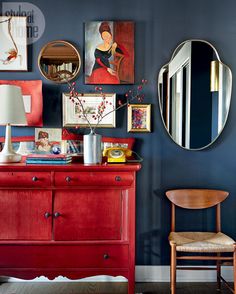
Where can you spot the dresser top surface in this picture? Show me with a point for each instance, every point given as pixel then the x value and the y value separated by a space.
pixel 70 167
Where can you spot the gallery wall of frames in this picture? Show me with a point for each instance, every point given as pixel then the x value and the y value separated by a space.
pixel 114 45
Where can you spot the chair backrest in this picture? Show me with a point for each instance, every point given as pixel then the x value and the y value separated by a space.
pixel 196 199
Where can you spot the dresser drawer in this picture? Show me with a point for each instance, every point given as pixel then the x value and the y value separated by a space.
pixel 93 179
pixel 25 179
pixel 64 256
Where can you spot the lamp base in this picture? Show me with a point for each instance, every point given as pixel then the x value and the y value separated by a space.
pixel 7 154
pixel 9 157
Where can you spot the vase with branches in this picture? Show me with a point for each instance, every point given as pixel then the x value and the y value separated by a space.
pixel 92 141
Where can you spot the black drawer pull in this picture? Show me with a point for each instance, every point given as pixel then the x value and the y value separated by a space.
pixel 106 256
pixel 47 214
pixel 34 179
pixel 118 178
pixel 57 214
pixel 68 179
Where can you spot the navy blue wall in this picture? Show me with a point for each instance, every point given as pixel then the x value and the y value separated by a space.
pixel 160 26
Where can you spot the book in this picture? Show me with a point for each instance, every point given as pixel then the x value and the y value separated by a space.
pixel 49 156
pixel 48 161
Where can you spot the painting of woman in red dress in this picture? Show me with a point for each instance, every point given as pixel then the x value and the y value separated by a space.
pixel 109 61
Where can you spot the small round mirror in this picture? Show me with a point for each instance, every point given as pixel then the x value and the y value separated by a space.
pixel 59 61
pixel 194 94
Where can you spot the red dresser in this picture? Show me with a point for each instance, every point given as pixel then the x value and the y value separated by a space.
pixel 76 221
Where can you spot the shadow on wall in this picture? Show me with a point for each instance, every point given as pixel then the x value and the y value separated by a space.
pixel 154 243
pixel 52 106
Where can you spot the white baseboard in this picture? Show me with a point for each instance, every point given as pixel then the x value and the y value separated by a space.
pixel 146 274
pixel 64 279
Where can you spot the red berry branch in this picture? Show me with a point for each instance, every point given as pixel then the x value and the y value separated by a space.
pixel 77 99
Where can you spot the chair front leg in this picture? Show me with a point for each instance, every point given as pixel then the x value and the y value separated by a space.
pixel 218 267
pixel 173 268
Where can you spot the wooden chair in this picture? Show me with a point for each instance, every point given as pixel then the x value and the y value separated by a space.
pixel 213 243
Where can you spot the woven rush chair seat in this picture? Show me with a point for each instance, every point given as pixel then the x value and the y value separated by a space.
pixel 201 242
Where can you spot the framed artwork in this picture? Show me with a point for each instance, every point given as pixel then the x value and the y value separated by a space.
pixel 139 118
pixel 73 118
pixel 109 52
pixel 46 139
pixel 33 100
pixel 109 142
pixel 13 46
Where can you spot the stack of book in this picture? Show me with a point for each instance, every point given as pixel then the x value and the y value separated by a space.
pixel 48 159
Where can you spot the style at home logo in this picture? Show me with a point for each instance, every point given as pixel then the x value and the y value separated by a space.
pixel 35 18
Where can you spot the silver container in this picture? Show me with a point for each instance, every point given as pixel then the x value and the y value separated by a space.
pixel 92 149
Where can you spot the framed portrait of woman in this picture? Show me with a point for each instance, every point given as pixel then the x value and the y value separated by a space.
pixel 109 52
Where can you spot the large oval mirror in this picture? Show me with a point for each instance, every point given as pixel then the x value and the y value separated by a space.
pixel 194 94
pixel 59 61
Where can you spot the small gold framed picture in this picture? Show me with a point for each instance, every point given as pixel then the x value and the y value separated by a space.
pixel 139 118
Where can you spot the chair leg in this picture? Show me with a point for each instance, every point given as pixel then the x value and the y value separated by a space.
pixel 218 267
pixel 173 268
pixel 234 268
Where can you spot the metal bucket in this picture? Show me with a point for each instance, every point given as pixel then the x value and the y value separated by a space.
pixel 92 149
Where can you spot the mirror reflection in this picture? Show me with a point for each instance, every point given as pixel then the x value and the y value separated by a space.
pixel 59 61
pixel 194 94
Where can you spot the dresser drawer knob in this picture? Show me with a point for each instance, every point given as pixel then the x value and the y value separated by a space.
pixel 57 214
pixel 106 256
pixel 68 179
pixel 118 178
pixel 34 179
pixel 47 214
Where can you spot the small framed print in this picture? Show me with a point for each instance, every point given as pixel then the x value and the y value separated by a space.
pixel 72 116
pixel 33 100
pixel 13 46
pixel 139 118
pixel 46 139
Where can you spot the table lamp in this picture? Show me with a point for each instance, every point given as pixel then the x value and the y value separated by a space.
pixel 12 112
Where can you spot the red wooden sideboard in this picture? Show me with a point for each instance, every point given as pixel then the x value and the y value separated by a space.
pixel 74 220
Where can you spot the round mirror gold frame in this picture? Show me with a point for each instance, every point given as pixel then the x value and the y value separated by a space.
pixel 179 100
pixel 59 61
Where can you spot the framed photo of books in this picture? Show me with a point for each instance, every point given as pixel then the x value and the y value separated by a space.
pixel 73 141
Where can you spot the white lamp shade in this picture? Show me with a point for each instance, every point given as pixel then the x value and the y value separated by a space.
pixel 12 110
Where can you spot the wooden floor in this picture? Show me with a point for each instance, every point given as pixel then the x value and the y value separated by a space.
pixel 105 288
